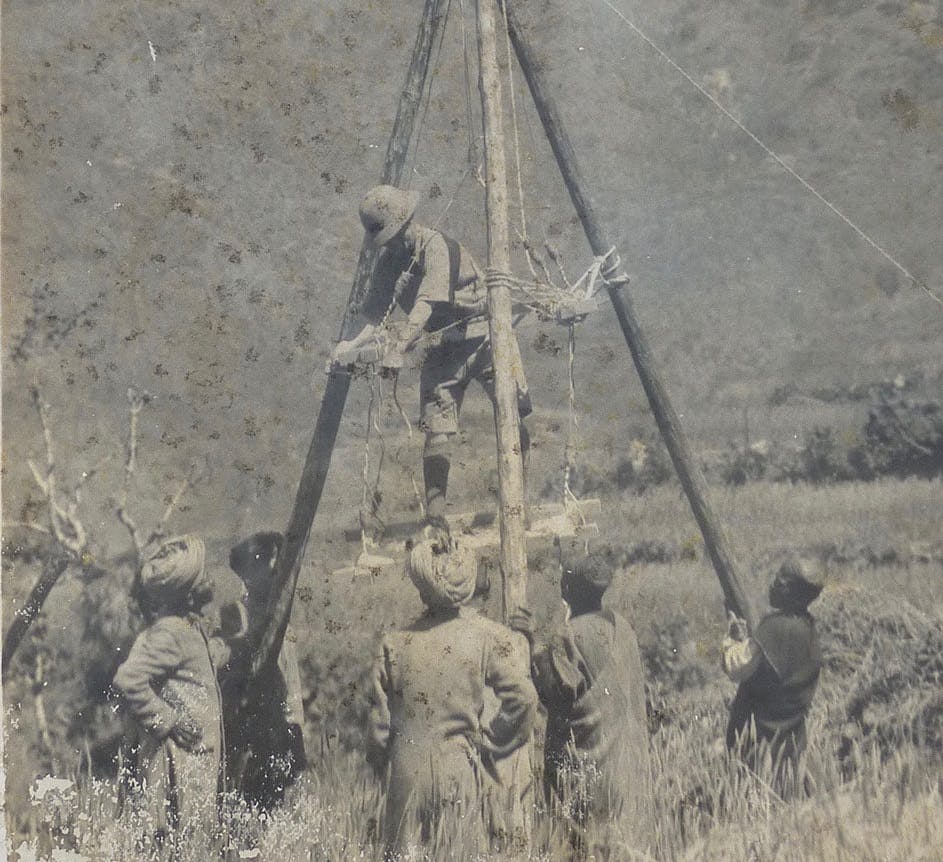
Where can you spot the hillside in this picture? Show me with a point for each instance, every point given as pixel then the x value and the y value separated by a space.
pixel 180 198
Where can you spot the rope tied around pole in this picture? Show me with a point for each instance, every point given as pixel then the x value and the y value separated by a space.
pixel 606 268
pixel 498 278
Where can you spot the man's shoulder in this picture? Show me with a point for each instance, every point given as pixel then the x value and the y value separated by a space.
pixel 426 234
pixel 782 625
pixel 473 619
pixel 167 627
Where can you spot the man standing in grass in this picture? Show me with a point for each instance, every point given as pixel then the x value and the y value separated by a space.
pixel 777 668
pixel 431 682
pixel 266 750
pixel 168 684
pixel 588 672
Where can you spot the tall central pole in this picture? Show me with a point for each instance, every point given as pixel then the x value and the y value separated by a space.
pixel 506 417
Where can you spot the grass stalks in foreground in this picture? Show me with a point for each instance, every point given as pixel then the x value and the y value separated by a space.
pixel 706 807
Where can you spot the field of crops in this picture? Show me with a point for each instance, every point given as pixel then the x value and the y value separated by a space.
pixel 876 725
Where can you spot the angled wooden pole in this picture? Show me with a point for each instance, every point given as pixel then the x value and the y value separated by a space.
pixel 54 564
pixel 267 640
pixel 503 354
pixel 692 479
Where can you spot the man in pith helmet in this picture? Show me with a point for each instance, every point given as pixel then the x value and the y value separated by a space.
pixel 441 289
pixel 777 668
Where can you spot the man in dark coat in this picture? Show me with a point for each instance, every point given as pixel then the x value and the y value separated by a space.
pixel 777 668
pixel 266 751
pixel 588 674
pixel 441 289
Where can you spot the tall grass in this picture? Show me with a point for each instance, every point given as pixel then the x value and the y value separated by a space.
pixel 706 807
pixel 878 802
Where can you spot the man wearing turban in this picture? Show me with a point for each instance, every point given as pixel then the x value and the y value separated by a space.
pixel 168 684
pixel 430 682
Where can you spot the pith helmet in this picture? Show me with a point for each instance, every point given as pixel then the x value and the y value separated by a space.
pixel 385 211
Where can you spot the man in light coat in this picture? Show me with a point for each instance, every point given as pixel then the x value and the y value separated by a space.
pixel 588 672
pixel 426 736
pixel 168 685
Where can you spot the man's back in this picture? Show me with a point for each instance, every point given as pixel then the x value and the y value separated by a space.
pixel 778 694
pixel 596 751
pixel 434 676
pixel 429 685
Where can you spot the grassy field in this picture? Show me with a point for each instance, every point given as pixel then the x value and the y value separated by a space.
pixel 877 802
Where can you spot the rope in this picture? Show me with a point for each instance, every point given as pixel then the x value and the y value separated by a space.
pixel 425 110
pixel 469 117
pixel 369 495
pixel 402 412
pixel 773 155
pixel 604 269
pixel 517 147
pixel 571 503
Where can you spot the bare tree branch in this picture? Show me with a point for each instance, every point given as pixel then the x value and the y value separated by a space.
pixel 136 402
pixel 28 525
pixel 161 529
pixel 71 540
pixel 66 526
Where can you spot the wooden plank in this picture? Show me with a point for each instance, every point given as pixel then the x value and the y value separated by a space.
pixel 314 474
pixel 472 521
pixel 474 530
pixel 692 479
pixel 503 350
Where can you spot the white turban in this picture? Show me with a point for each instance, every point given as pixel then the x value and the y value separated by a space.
pixel 175 568
pixel 445 578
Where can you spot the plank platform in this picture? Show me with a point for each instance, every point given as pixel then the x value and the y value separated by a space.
pixel 475 530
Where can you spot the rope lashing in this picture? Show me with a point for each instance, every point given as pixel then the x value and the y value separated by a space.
pixel 605 268
pixel 497 278
pixel 546 300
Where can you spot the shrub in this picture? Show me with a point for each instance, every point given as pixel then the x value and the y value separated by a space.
pixel 822 457
pixel 902 438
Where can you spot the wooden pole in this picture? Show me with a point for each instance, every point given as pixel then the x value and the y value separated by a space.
pixel 54 564
pixel 506 417
pixel 267 641
pixel 692 479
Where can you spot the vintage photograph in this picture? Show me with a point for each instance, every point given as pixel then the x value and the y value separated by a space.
pixel 472 430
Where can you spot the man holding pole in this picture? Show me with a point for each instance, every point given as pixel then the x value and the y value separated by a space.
pixel 441 289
